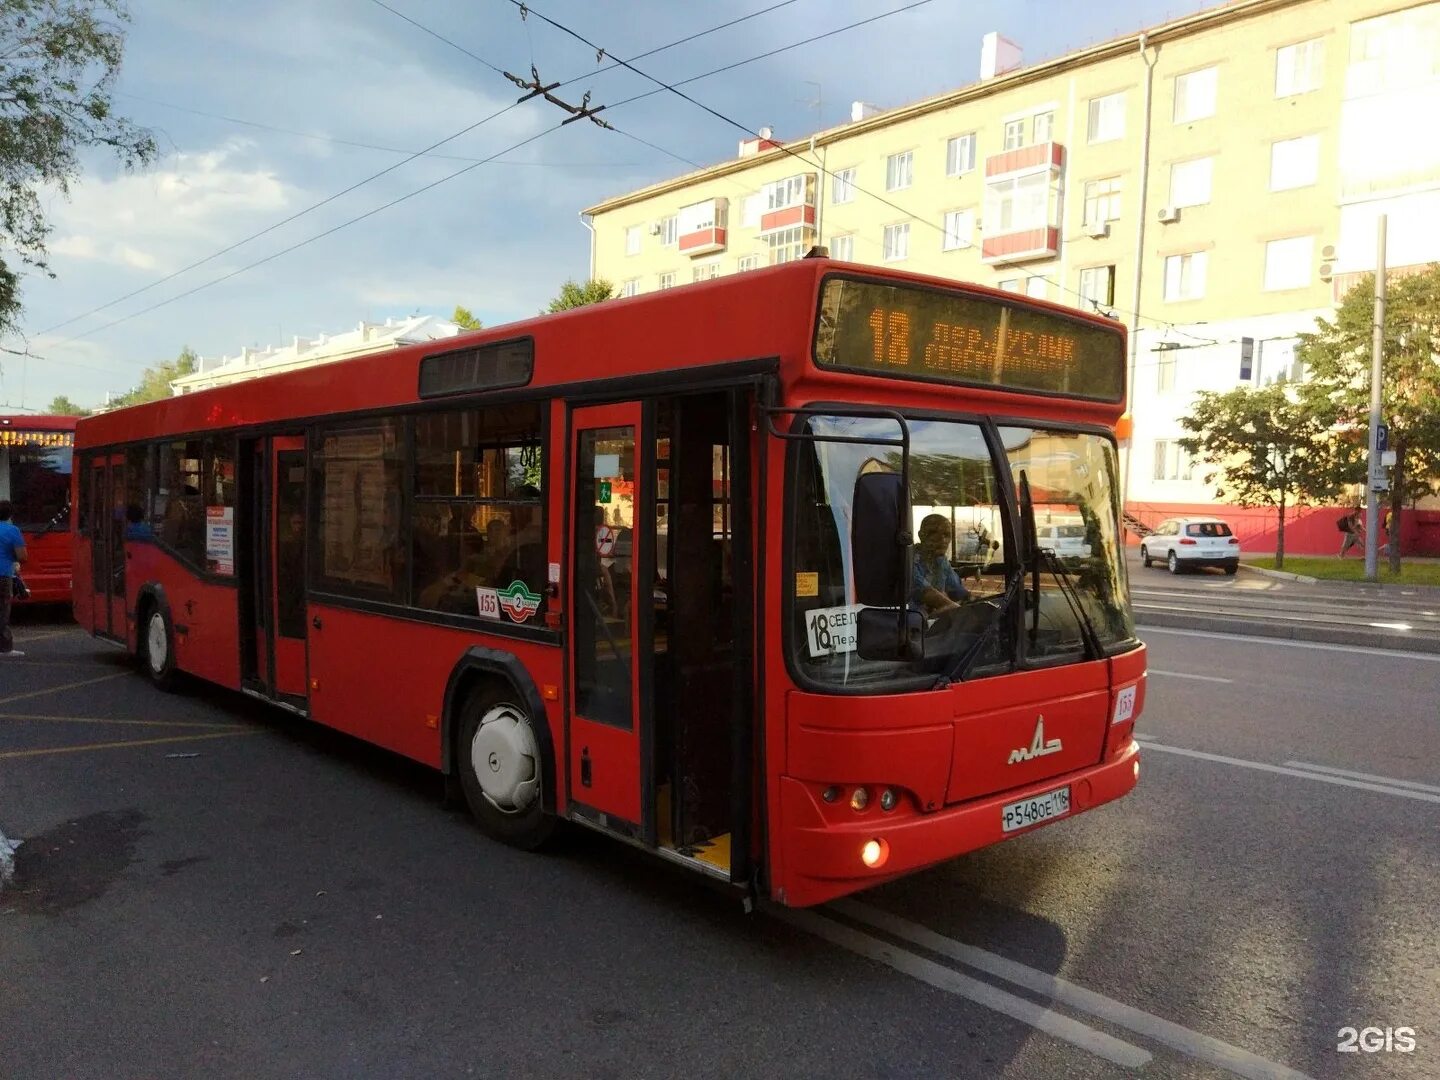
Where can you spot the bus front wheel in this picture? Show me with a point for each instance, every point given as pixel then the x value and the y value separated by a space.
pixel 502 768
pixel 157 648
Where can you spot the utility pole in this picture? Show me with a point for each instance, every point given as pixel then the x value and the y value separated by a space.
pixel 1375 483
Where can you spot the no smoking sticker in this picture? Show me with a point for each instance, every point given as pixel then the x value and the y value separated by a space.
pixel 605 539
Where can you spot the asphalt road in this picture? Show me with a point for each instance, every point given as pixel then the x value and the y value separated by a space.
pixel 206 887
pixel 1339 611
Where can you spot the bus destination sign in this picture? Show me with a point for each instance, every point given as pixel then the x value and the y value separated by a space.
pixel 15 437
pixel 910 332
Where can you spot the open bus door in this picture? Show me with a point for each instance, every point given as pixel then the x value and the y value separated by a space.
pixel 272 569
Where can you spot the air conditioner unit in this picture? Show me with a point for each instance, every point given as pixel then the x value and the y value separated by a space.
pixel 1098 229
pixel 1169 214
pixel 655 228
pixel 1327 271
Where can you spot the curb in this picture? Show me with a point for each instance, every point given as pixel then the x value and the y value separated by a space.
pixel 1283 575
pixel 1240 627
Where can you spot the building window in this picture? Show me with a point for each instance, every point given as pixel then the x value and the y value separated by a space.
pixel 959 228
pixel 960 154
pixel 1294 163
pixel 1097 286
pixel 751 210
pixel 787 245
pixel 792 191
pixel 843 248
pixel 897 241
pixel 632 240
pixel 1299 68
pixel 842 186
pixel 898 171
pixel 1190 182
pixel 665 281
pixel 1044 126
pixel 1195 95
pixel 1171 461
pixel 1036 287
pixel 1287 262
pixel 1022 202
pixel 1014 134
pixel 1102 200
pixel 705 271
pixel 669 230
pixel 1107 118
pixel 1010 285
pixel 630 288
pixel 1165 364
pixel 1185 275
pixel 477 519
pixel 747 262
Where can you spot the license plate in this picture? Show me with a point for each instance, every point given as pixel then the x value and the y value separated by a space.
pixel 1027 812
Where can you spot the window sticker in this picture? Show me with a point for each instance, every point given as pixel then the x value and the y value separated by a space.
pixel 831 630
pixel 518 602
pixel 807 583
pixel 487 602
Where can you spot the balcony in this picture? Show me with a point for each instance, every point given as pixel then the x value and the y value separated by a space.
pixel 1020 245
pixel 1039 157
pixel 787 217
pixel 701 227
pixel 702 241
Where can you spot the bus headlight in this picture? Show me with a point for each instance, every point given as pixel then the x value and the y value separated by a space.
pixel 888 799
pixel 874 853
pixel 860 799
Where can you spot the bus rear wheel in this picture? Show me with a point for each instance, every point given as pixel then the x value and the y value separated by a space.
pixel 501 767
pixel 156 648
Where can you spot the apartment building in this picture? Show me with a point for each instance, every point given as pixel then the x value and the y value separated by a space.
pixel 1213 182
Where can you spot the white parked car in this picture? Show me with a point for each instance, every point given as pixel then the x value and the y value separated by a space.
pixel 1067 541
pixel 1186 542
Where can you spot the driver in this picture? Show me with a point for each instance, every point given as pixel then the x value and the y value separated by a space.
pixel 935 585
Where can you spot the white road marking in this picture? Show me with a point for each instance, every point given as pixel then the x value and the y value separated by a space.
pixel 1283 770
pixel 7 858
pixel 1363 776
pixel 992 997
pixel 1186 675
pixel 1198 1046
pixel 1286 643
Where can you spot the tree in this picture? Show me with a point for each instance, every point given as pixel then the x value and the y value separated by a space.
pixel 463 318
pixel 155 381
pixel 573 295
pixel 58 63
pixel 1269 447
pixel 1337 355
pixel 61 405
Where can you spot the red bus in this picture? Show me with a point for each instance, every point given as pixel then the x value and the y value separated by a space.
pixel 35 456
pixel 647 566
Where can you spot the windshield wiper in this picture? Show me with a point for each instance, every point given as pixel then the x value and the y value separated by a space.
pixel 1071 592
pixel 967 659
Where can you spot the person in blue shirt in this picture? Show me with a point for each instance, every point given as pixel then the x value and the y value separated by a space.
pixel 12 554
pixel 935 585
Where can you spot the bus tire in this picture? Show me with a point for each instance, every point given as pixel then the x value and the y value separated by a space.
pixel 501 768
pixel 156 646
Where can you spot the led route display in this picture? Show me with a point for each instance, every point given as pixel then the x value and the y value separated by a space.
pixel 12 437
pixel 905 331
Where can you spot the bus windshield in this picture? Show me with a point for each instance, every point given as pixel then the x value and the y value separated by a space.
pixel 965 554
pixel 36 479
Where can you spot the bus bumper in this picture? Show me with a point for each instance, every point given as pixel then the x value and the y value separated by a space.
pixel 821 860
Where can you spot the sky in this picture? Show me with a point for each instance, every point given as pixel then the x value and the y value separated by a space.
pixel 258 109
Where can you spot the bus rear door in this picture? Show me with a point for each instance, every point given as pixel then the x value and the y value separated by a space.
pixel 272 569
pixel 107 547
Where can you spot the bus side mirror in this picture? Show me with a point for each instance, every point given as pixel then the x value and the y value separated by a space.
pixel 882 634
pixel 880 540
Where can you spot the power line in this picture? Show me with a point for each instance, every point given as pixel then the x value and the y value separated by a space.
pixel 661 85
pixel 375 176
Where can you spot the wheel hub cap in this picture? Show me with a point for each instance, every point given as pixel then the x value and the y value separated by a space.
pixel 156 645
pixel 503 756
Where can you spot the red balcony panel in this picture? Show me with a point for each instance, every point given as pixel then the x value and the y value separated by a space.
pixel 1022 159
pixel 783 219
pixel 1024 244
pixel 703 242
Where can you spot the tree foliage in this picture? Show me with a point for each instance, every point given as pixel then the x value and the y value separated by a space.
pixel 464 318
pixel 1267 447
pixel 58 64
pixel 61 405
pixel 573 295
pixel 1338 355
pixel 155 381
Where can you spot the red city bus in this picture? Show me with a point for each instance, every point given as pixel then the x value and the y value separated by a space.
pixel 647 566
pixel 35 453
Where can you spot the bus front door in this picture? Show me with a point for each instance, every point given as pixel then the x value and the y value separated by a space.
pixel 613 621
pixel 107 545
pixel 273 639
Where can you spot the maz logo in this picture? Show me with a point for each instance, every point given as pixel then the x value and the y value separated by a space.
pixel 1038 746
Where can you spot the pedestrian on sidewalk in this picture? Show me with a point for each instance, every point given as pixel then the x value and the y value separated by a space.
pixel 1353 526
pixel 1390 537
pixel 12 554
